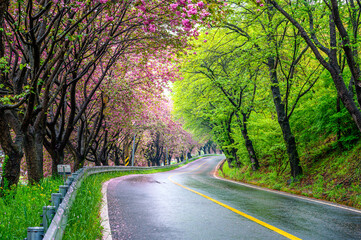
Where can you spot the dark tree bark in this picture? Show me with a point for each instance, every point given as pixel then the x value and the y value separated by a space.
pixel 230 151
pixel 4 4
pixel 154 152
pixel 170 154
pixel 235 96
pixel 249 144
pixel 116 157
pixel 204 149
pixel 13 149
pixel 281 110
pixel 332 66
pixel 338 110
pixel 86 136
pixel 283 120
pixel 214 147
pixel 33 147
pixel 228 157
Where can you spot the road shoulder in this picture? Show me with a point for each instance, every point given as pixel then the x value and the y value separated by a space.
pixel 319 201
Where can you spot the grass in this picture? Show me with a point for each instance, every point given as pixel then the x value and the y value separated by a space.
pixel 21 207
pixel 333 176
pixel 84 220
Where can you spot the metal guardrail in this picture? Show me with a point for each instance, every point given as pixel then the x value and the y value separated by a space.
pixel 55 216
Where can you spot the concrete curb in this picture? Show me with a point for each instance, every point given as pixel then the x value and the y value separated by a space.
pixel 107 233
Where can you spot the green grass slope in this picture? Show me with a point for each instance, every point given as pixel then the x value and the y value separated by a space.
pixel 328 174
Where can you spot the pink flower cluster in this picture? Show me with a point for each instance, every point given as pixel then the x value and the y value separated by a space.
pixel 186 9
pixel 260 4
pixel 109 18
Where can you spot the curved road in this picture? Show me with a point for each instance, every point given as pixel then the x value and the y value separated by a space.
pixel 189 203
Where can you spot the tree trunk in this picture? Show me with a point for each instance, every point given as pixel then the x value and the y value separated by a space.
pixel 214 149
pixel 79 161
pixel 232 152
pixel 4 4
pixel 13 149
pixel 205 150
pixel 116 157
pixel 283 121
pixel 157 161
pixel 57 158
pixel 338 110
pixel 169 159
pixel 97 162
pixel 342 91
pixel 33 147
pixel 249 145
pixel 105 162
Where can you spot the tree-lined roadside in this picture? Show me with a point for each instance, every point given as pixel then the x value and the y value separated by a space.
pixel 86 79
pixel 331 179
pixel 275 85
pixel 259 86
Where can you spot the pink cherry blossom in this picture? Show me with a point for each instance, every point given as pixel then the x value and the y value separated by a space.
pixel 151 27
pixel 174 6
pixel 200 4
pixel 186 23
pixel 109 18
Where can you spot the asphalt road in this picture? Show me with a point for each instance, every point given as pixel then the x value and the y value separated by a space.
pixel 189 203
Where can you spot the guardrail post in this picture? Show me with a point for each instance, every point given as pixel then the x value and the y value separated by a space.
pixel 56 199
pixel 69 181
pixel 63 189
pixel 35 233
pixel 48 215
pixel 75 175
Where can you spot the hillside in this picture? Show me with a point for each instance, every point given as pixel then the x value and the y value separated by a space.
pixel 328 174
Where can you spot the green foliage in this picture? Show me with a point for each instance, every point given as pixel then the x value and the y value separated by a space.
pixel 22 206
pixel 317 120
pixel 334 177
pixel 325 133
pixel 4 63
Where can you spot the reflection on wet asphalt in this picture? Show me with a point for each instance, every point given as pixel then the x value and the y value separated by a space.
pixel 152 207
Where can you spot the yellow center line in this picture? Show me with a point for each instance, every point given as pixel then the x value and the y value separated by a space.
pixel 277 230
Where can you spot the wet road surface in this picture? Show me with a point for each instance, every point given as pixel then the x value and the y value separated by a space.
pixel 158 206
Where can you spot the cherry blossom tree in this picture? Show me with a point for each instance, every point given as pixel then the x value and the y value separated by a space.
pixel 50 49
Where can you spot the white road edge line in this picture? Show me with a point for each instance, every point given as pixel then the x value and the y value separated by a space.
pixel 284 193
pixel 107 233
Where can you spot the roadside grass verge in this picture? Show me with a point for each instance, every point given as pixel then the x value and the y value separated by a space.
pixel 84 221
pixel 334 177
pixel 21 207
